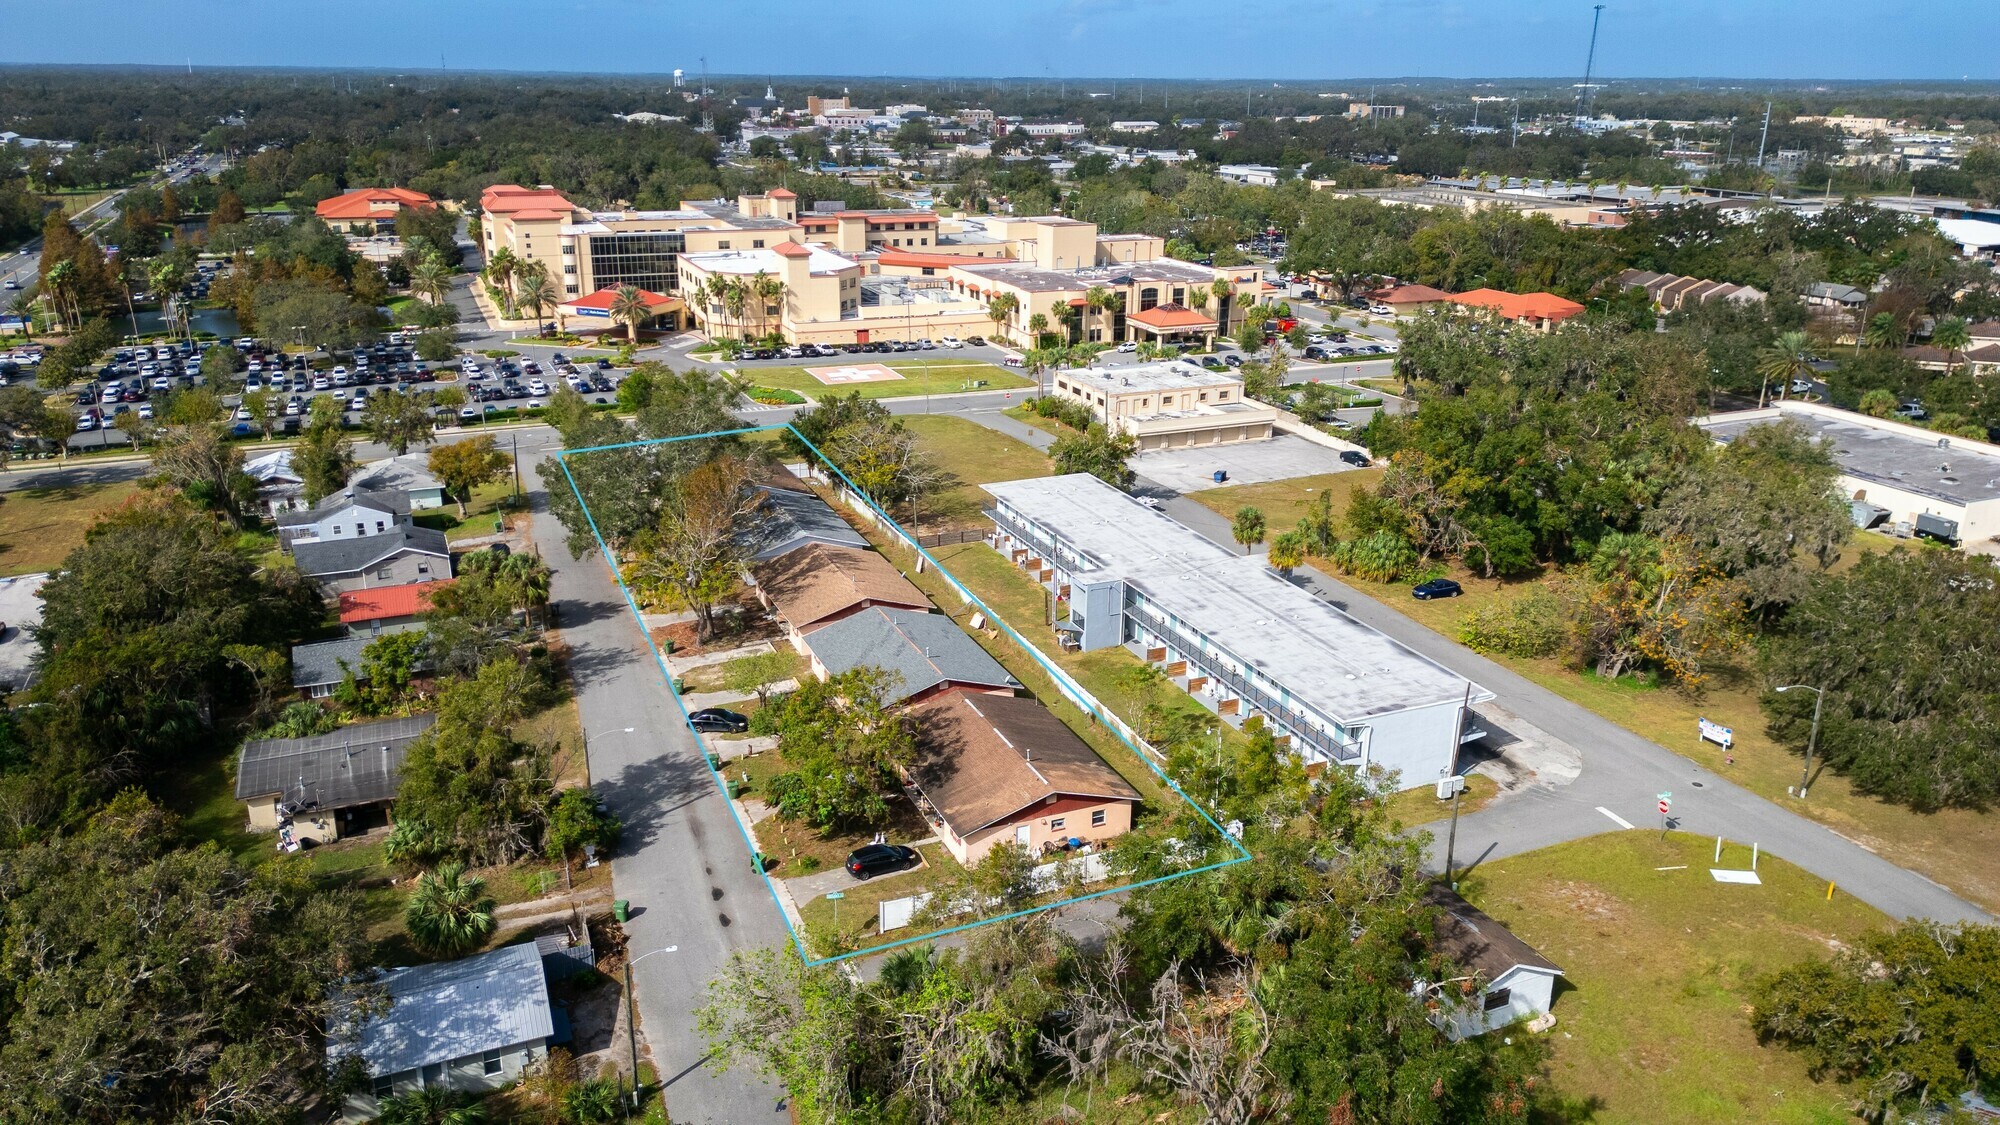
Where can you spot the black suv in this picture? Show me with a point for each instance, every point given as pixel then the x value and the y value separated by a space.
pixel 877 859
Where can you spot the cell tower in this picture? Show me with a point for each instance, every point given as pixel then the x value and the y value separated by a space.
pixel 1589 64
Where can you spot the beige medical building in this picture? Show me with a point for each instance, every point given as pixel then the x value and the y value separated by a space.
pixel 836 275
pixel 1172 405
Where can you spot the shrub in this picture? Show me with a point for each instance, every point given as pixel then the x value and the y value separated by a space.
pixel 1535 624
pixel 1379 556
pixel 775 396
pixel 303 720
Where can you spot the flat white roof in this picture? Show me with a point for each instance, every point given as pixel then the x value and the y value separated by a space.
pixel 1953 470
pixel 748 262
pixel 1325 659
pixel 1167 375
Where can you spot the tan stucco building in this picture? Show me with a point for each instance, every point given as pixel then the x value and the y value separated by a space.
pixel 1172 405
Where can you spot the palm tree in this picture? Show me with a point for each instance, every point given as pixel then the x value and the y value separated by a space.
pixel 630 309
pixel 1951 334
pixel 1287 551
pixel 1883 331
pixel 1061 312
pixel 1095 300
pixel 434 1106
pixel 501 271
pixel 1000 308
pixel 431 278
pixel 24 307
pixel 525 578
pixel 538 293
pixel 765 289
pixel 1788 355
pixel 1878 403
pixel 1038 327
pixel 59 282
pixel 1220 289
pixel 449 914
pixel 1247 528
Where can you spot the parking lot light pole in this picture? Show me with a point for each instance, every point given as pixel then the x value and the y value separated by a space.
pixel 1812 739
pixel 632 1017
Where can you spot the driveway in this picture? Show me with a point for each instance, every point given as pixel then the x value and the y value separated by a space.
pixel 1247 462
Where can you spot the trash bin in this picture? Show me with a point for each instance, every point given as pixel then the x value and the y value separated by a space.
pixel 735 790
pixel 620 909
pixel 1220 476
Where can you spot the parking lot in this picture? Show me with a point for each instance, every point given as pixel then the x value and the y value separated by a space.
pixel 1247 462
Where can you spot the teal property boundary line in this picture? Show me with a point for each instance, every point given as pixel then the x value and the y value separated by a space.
pixel 1056 676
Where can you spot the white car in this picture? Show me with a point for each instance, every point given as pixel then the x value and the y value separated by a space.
pixel 162 383
pixel 253 384
pixel 1802 386
pixel 321 382
pixel 242 414
pixel 357 403
pixel 538 388
pixel 1128 346
pixel 145 410
pixel 1381 310
pixel 951 342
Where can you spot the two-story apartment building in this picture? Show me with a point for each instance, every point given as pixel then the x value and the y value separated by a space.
pixel 1231 632
pixel 1169 405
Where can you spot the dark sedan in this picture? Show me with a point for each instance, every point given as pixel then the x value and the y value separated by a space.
pixel 1436 588
pixel 715 720
pixel 878 859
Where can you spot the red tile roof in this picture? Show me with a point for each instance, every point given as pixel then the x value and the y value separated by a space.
pixel 605 298
pixel 910 258
pixel 1410 295
pixel 782 193
pixel 1171 316
pixel 370 203
pixel 791 250
pixel 505 199
pixel 384 602
pixel 1521 306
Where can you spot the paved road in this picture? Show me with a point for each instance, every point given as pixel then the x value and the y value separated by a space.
pixel 683 863
pixel 22 265
pixel 1622 772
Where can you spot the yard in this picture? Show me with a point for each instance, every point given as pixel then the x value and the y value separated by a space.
pixel 975 455
pixel 1285 502
pixel 919 377
pixel 1652 1017
pixel 1420 806
pixel 480 512
pixel 859 922
pixel 792 848
pixel 42 523
pixel 1957 847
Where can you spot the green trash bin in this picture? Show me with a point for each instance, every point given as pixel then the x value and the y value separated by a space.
pixel 735 790
pixel 620 910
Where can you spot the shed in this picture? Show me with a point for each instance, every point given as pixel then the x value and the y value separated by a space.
pixel 1515 981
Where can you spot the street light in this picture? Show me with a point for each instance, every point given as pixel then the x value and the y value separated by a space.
pixel 1813 738
pixel 600 734
pixel 632 1017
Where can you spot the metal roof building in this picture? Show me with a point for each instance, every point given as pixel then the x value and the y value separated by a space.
pixel 354 765
pixel 926 651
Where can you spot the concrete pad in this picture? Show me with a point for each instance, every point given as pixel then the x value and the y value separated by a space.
pixel 853 373
pixel 21 610
pixel 1247 462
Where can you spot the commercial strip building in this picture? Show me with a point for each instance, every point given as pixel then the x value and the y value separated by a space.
pixel 1169 405
pixel 1231 632
pixel 1898 476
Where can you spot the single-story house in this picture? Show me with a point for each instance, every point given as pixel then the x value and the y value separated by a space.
pixel 319 668
pixel 1405 300
pixel 409 473
pixel 352 513
pixel 1980 359
pixel 1002 768
pixel 1830 295
pixel 818 585
pixel 787 520
pixel 370 207
pixel 385 609
pixel 399 557
pixel 280 488
pixel 1515 982
pixel 1539 311
pixel 323 788
pixel 928 653
pixel 475 1024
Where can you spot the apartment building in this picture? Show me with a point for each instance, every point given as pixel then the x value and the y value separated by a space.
pixel 1232 633
pixel 1172 405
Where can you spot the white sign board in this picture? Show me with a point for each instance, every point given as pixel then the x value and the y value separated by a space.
pixel 1717 733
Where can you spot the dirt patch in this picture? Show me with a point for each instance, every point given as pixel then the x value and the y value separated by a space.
pixel 740 621
pixel 1590 903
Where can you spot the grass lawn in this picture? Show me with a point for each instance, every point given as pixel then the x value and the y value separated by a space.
pixel 40 525
pixel 859 922
pixel 82 199
pixel 1420 806
pixel 479 512
pixel 976 456
pixel 792 848
pixel 1285 502
pixel 1957 847
pixel 1652 1022
pixel 1028 417
pixel 937 377
pixel 709 677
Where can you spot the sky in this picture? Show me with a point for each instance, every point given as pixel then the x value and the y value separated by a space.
pixel 1300 40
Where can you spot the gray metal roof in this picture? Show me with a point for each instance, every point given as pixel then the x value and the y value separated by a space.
pixel 409 473
pixel 1325 659
pixel 317 664
pixel 454 1009
pixel 350 556
pixel 355 765
pixel 790 520
pixel 1880 451
pixel 925 649
pixel 385 500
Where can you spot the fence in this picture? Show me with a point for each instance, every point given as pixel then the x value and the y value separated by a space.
pixel 951 538
pixel 896 913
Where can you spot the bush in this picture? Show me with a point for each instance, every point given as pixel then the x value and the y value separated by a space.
pixel 302 720
pixel 775 396
pixel 1379 556
pixel 1534 624
pixel 1070 413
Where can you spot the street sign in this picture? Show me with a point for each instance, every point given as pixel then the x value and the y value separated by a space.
pixel 1663 807
pixel 836 895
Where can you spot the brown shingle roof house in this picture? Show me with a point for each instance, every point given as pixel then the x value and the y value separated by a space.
pixel 999 768
pixel 819 583
pixel 1516 981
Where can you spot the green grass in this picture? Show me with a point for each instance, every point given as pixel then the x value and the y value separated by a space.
pixel 939 376
pixel 1285 502
pixel 858 918
pixel 479 512
pixel 41 525
pixel 1420 806
pixel 1027 417
pixel 1959 848
pixel 792 848
pixel 974 455
pixel 1652 1022
pixel 76 201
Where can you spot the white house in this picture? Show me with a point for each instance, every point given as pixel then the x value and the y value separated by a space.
pixel 353 513
pixel 1511 981
pixel 410 474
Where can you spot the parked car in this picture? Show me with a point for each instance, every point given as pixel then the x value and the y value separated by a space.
pixel 1128 346
pixel 1912 410
pixel 1436 588
pixel 879 859
pixel 951 342
pixel 1355 458
pixel 715 720
pixel 975 341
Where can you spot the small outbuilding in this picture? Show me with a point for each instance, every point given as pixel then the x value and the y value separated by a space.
pixel 1515 982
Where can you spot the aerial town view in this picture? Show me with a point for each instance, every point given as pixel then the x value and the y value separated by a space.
pixel 1142 565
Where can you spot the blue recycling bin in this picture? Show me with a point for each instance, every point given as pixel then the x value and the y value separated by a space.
pixel 1220 476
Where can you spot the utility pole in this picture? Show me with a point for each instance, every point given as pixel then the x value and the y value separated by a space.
pixel 1515 140
pixel 1589 62
pixel 1764 136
